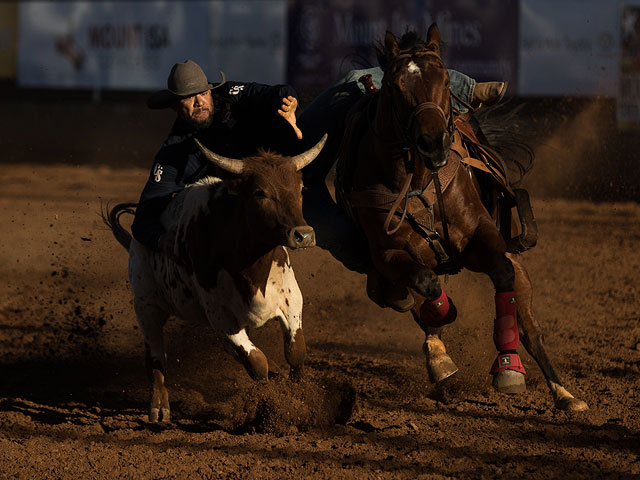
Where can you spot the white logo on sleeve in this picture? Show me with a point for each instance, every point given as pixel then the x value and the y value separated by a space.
pixel 236 89
pixel 157 173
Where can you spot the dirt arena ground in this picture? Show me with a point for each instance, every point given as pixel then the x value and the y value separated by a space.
pixel 73 389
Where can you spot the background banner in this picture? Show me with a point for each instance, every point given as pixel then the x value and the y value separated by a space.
pixel 628 101
pixel 8 34
pixel 132 45
pixel 568 48
pixel 330 37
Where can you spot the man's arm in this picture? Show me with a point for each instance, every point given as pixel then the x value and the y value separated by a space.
pixel 288 111
pixel 264 101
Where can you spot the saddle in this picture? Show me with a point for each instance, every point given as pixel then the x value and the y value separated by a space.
pixel 467 150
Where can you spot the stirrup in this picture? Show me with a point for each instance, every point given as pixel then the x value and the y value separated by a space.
pixel 529 229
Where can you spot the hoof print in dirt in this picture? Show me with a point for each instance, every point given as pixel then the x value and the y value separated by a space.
pixel 284 407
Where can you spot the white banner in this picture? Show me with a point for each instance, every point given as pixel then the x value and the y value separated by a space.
pixel 628 101
pixel 133 45
pixel 568 47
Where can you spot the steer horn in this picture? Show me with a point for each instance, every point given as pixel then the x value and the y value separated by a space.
pixel 307 157
pixel 231 165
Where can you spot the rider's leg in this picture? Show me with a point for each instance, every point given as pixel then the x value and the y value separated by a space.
pixel 335 232
pixel 474 93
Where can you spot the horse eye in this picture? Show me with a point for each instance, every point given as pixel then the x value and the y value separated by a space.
pixel 259 194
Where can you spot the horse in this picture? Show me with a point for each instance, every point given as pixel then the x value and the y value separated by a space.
pixel 401 177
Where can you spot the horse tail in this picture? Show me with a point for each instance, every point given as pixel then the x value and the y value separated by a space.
pixel 509 138
pixel 111 218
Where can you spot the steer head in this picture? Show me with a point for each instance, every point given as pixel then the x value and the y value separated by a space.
pixel 269 195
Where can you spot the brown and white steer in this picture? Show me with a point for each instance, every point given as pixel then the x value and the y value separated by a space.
pixel 229 266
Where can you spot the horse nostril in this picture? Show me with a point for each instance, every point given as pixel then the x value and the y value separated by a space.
pixel 298 236
pixel 426 144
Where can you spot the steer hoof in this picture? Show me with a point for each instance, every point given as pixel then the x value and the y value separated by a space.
pixel 509 381
pixel 159 414
pixel 296 373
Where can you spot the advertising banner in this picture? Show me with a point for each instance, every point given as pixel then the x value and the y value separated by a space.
pixel 628 101
pixel 8 29
pixel 132 45
pixel 330 37
pixel 568 48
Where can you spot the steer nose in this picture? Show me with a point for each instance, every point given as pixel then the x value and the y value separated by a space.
pixel 302 237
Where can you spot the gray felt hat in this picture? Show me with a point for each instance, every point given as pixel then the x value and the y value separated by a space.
pixel 185 79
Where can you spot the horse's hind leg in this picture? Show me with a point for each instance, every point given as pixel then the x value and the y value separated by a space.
pixel 533 339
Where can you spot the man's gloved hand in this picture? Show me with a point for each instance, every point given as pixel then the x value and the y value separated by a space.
pixel 288 111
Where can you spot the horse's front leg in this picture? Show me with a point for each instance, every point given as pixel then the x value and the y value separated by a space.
pixel 432 311
pixel 485 252
pixel 533 339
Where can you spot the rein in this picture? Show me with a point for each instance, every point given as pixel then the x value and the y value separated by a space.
pixel 408 147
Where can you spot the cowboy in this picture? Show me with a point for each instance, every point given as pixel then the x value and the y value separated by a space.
pixel 230 118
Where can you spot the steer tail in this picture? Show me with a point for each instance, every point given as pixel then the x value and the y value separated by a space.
pixel 111 217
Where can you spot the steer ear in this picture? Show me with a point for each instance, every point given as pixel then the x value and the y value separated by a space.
pixel 307 157
pixel 231 165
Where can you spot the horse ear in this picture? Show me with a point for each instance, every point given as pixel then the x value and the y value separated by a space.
pixel 391 46
pixel 433 36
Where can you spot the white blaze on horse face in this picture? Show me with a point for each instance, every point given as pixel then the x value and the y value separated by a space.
pixel 413 68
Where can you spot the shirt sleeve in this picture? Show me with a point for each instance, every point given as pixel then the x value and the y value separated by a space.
pixel 265 100
pixel 156 194
pixel 257 111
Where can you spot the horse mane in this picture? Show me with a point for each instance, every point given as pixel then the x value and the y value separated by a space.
pixel 410 42
pixel 508 138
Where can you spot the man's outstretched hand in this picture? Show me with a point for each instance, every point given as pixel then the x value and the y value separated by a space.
pixel 288 111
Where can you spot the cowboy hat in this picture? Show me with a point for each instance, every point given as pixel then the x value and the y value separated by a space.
pixel 185 79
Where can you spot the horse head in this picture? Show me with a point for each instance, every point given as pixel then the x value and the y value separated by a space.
pixel 415 89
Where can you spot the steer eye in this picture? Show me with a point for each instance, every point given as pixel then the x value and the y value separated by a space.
pixel 259 194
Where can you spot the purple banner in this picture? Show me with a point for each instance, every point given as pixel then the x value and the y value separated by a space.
pixel 327 38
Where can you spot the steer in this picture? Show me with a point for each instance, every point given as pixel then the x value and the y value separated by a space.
pixel 229 265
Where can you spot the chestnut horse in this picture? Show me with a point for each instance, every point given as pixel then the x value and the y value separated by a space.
pixel 422 213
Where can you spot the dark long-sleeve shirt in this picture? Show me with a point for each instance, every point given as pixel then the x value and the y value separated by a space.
pixel 245 118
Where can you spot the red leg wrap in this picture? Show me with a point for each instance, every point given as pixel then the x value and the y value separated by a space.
pixel 507 361
pixel 505 326
pixel 505 334
pixel 438 312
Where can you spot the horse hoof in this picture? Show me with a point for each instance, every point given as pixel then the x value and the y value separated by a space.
pixel 440 369
pixel 571 404
pixel 509 381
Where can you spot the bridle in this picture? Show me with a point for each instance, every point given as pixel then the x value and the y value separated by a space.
pixel 409 147
pixel 405 129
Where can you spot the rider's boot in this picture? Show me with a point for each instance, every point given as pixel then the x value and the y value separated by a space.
pixel 506 340
pixel 488 93
pixel 388 294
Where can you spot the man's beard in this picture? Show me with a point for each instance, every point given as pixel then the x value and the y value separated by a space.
pixel 201 124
